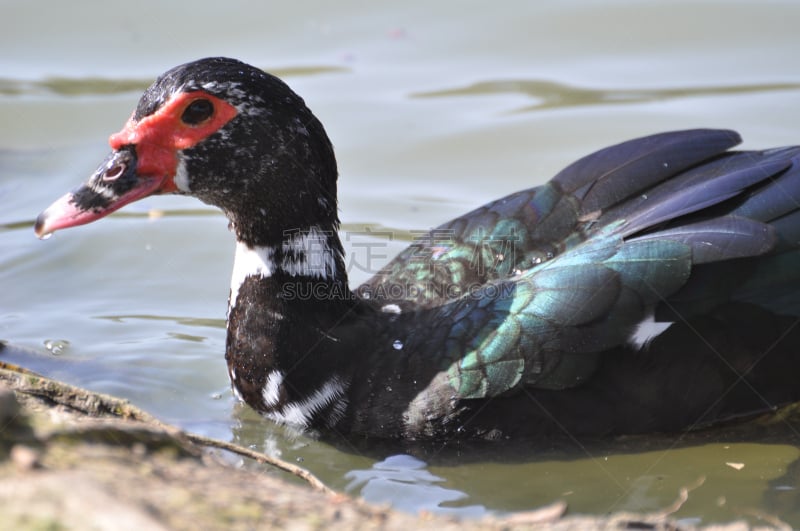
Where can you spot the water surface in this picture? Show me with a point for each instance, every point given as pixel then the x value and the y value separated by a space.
pixel 433 109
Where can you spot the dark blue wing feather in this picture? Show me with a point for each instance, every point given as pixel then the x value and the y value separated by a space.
pixel 693 191
pixel 723 238
pixel 615 173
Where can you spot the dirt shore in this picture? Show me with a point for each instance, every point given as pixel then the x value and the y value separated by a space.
pixel 72 459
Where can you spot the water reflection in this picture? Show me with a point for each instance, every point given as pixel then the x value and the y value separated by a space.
pixel 642 473
pixel 403 159
pixel 180 320
pixel 783 495
pixel 98 86
pixel 405 483
pixel 550 94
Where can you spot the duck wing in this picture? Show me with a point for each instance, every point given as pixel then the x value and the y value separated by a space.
pixel 523 230
pixel 734 213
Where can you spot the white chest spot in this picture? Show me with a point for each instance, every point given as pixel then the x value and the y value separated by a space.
pixel 236 393
pixel 249 262
pixel 272 389
pixel 302 412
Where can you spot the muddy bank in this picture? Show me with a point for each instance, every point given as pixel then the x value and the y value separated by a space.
pixel 72 459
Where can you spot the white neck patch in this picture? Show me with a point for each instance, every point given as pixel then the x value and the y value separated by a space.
pixel 249 262
pixel 316 258
pixel 306 253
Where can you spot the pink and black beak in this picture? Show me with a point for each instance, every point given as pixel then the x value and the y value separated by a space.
pixel 145 160
pixel 113 185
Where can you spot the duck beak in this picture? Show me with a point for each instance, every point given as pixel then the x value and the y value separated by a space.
pixel 113 185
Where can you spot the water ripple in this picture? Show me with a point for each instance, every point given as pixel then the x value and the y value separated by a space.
pixel 552 94
pixel 99 86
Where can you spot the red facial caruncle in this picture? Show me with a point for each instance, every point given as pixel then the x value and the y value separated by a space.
pixel 159 136
pixel 183 121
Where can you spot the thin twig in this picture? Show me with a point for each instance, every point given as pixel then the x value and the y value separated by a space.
pixel 96 404
pixel 771 519
pixel 262 458
pixel 683 497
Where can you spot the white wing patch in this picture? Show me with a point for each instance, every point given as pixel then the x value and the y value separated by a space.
pixel 646 331
pixel 392 308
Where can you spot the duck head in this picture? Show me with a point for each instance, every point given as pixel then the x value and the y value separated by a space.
pixel 227 133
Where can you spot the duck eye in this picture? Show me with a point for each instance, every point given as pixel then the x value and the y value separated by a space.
pixel 197 112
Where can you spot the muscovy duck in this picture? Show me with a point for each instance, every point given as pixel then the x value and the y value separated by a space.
pixel 652 285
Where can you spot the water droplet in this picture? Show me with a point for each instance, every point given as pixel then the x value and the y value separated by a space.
pixel 299 459
pixel 550 255
pixel 365 295
pixel 46 236
pixel 537 260
pixel 388 388
pixel 56 346
pixel 398 345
